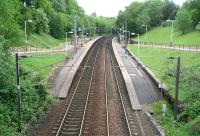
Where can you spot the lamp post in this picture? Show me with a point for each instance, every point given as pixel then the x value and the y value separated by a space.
pixel 172 29
pixel 25 34
pixel 128 35
pixel 66 48
pixel 138 35
pixel 146 29
pixel 120 34
pixel 119 31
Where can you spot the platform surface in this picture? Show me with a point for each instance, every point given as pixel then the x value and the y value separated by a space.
pixel 129 85
pixel 146 90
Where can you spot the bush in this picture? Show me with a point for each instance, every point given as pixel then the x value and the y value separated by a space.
pixel 191 111
pixel 33 90
pixel 184 21
pixel 198 26
pixel 41 21
pixel 57 25
pixel 195 126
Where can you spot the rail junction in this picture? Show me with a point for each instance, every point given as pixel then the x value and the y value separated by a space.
pixel 98 102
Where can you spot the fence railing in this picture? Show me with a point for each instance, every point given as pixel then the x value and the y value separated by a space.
pixel 47 50
pixel 172 46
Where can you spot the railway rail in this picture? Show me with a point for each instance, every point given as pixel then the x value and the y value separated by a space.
pixel 98 102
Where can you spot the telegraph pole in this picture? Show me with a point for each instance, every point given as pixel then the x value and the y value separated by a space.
pixel 126 33
pixel 18 92
pixel 178 59
pixel 177 88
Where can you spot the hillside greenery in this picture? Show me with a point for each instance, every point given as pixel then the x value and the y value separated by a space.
pixel 162 35
pixel 44 40
pixel 155 13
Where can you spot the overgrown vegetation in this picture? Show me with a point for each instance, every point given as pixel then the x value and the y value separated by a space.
pixel 171 128
pixel 34 94
pixel 189 94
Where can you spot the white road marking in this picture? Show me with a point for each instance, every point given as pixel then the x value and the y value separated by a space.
pixel 139 73
pixel 132 74
pixel 136 68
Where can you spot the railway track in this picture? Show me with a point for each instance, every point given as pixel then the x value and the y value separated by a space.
pixel 71 122
pixel 98 103
pixel 132 119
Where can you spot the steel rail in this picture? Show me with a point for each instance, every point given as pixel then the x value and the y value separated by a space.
pixel 105 77
pixel 119 90
pixel 82 122
pixel 58 132
pixel 140 123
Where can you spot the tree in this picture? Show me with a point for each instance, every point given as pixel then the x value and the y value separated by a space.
pixel 57 25
pixel 9 27
pixel 170 10
pixel 154 9
pixel 193 6
pixel 183 21
pixel 94 14
pixel 41 21
pixel 198 26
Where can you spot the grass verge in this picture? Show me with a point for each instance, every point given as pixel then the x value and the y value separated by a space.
pixel 163 35
pixel 156 60
pixel 42 63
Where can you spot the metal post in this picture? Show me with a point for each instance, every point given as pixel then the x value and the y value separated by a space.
pixel 172 32
pixel 66 46
pixel 75 34
pixel 82 37
pixel 146 34
pixel 18 92
pixel 126 33
pixel 138 45
pixel 177 88
pixel 25 36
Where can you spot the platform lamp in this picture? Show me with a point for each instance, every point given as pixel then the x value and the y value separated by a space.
pixel 66 48
pixel 146 29
pixel 25 34
pixel 172 29
pixel 138 35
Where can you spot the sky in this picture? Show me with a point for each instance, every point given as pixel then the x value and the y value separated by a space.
pixel 109 8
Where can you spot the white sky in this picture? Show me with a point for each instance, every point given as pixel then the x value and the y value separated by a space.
pixel 109 8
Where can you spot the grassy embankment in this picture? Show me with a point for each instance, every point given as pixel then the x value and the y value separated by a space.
pixel 156 60
pixel 42 63
pixel 163 34
pixel 44 40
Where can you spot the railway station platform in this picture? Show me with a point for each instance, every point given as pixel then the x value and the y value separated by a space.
pixel 144 89
pixel 65 77
pixel 129 85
